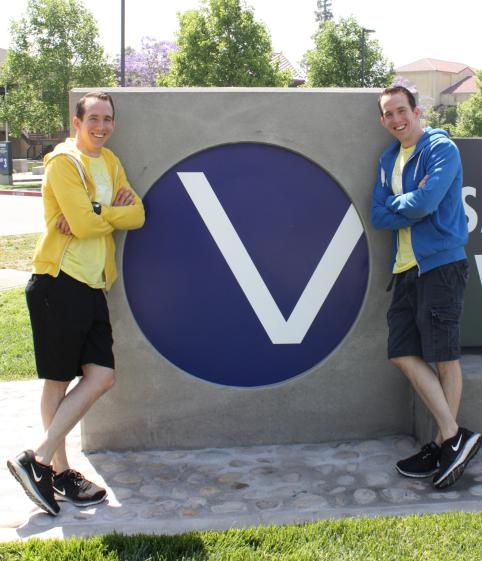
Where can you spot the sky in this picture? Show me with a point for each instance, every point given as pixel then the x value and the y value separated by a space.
pixel 407 30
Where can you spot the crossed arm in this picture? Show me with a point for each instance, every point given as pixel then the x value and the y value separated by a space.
pixel 124 197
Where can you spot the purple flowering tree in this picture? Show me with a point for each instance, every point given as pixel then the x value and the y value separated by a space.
pixel 144 67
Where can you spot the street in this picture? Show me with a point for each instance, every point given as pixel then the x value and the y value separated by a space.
pixel 20 215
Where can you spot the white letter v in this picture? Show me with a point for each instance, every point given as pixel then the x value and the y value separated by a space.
pixel 321 282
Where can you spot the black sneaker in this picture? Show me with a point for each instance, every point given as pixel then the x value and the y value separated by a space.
pixel 36 480
pixel 456 454
pixel 422 464
pixel 71 486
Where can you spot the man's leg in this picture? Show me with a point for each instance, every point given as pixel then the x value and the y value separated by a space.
pixel 450 374
pixel 52 395
pixel 428 387
pixel 96 381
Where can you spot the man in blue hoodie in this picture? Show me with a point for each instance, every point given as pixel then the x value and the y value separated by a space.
pixel 418 196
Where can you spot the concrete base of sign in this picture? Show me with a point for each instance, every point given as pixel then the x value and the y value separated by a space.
pixel 355 392
pixel 470 415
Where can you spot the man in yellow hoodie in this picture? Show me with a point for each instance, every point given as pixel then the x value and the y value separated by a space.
pixel 86 197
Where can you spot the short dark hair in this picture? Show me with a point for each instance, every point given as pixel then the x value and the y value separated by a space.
pixel 398 90
pixel 103 96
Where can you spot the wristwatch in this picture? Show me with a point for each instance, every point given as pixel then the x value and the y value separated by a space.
pixel 97 207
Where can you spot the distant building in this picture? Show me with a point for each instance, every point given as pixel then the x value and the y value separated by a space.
pixel 299 77
pixel 440 82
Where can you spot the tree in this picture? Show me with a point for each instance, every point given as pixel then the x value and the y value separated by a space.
pixel 54 47
pixel 469 114
pixel 442 117
pixel 323 12
pixel 341 50
pixel 222 44
pixel 143 68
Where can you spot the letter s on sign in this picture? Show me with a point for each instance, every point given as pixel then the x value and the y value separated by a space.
pixel 469 211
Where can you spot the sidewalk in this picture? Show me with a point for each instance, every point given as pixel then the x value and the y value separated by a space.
pixel 181 490
pixel 10 278
pixel 177 491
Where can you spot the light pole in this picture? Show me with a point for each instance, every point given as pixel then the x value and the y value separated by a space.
pixel 123 50
pixel 364 32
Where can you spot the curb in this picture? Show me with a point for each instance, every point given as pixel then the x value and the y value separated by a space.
pixel 20 192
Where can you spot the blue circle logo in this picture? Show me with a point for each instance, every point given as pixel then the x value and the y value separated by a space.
pixel 251 268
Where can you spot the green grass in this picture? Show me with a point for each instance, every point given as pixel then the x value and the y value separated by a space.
pixel 16 251
pixel 446 537
pixel 21 185
pixel 16 356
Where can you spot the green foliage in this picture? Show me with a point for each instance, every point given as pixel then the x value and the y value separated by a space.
pixel 323 12
pixel 442 537
pixel 17 358
pixel 442 117
pixel 54 47
pixel 221 44
pixel 336 60
pixel 469 115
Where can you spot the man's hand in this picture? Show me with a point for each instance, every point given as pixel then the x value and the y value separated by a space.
pixel 421 185
pixel 63 226
pixel 124 197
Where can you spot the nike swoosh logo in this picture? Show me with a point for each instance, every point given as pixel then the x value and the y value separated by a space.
pixel 35 476
pixel 279 330
pixel 456 448
pixel 60 491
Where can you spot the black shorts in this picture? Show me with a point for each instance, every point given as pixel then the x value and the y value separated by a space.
pixel 424 316
pixel 70 326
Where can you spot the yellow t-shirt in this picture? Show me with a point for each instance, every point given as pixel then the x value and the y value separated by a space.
pixel 84 260
pixel 405 258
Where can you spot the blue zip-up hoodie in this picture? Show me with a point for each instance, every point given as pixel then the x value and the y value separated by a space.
pixel 435 212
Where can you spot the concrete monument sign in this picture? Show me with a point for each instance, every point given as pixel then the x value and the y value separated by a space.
pixel 251 307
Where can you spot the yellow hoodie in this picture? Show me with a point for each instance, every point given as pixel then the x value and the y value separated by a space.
pixel 68 189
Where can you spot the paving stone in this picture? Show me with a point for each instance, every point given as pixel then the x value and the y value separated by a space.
pixel 229 507
pixel 120 514
pixel 346 455
pixel 379 460
pixel 151 491
pixel 291 477
pixel 239 463
pixel 352 468
pixel 268 470
pixel 364 496
pixel 377 479
pixel 268 504
pixel 238 486
pixel 445 496
pixel 345 480
pixel 309 502
pixel 400 495
pixel 209 491
pixel 122 493
pixel 476 490
pixel 326 469
pixel 229 477
pixel 160 509
pixel 337 490
pixel 369 446
pixel 127 478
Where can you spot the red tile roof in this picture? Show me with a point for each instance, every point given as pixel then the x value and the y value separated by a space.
pixel 425 64
pixel 467 85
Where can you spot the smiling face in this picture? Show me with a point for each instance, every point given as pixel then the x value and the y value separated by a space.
pixel 400 119
pixel 95 127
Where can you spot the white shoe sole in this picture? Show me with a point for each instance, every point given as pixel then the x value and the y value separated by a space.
pixel 455 471
pixel 20 474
